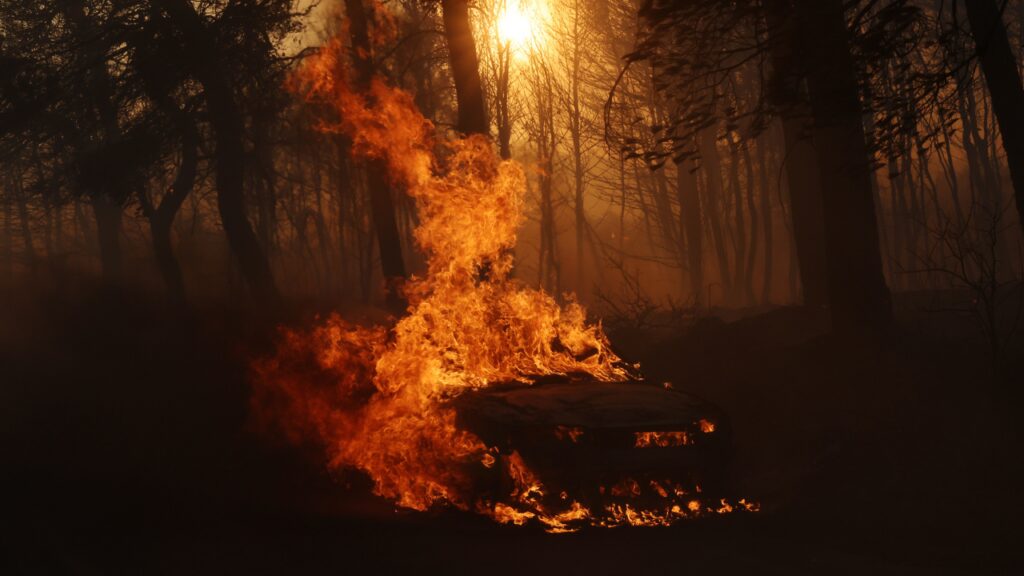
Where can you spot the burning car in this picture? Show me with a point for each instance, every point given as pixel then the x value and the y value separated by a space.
pixel 639 453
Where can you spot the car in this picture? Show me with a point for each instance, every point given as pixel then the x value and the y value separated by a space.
pixel 609 446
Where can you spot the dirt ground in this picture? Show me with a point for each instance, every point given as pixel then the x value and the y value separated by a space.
pixel 126 448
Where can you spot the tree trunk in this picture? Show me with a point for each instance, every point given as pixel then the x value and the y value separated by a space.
pixel 1004 85
pixel 8 241
pixel 108 193
pixel 805 200
pixel 465 67
pixel 663 209
pixel 576 132
pixel 549 266
pixel 501 96
pixel 801 159
pixel 767 222
pixel 161 218
pixel 382 205
pixel 108 233
pixel 755 223
pixel 711 162
pixel 263 180
pixel 858 296
pixel 690 226
pixel 170 270
pixel 229 151
pixel 740 232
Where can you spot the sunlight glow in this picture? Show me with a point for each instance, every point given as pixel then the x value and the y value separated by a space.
pixel 514 26
pixel 519 26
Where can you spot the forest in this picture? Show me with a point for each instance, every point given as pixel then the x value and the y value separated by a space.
pixel 275 273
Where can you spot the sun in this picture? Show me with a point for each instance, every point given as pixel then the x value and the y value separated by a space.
pixel 514 27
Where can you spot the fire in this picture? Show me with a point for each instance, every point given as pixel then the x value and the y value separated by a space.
pixel 376 399
pixel 662 439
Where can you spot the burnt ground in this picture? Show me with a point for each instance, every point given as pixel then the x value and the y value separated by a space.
pixel 125 448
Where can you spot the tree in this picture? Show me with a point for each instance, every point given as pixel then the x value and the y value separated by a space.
pixel 859 299
pixel 162 213
pixel 472 118
pixel 699 48
pixel 785 89
pixel 389 240
pixel 99 173
pixel 690 224
pixel 1002 76
pixel 204 61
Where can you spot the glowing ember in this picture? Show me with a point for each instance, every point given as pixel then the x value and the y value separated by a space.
pixel 378 399
pixel 572 433
pixel 662 439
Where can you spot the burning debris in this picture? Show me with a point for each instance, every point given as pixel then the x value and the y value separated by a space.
pixel 446 407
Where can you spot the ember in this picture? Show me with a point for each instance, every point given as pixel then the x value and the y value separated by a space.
pixel 662 439
pixel 566 433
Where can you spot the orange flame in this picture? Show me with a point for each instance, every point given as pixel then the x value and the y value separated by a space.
pixel 662 439
pixel 461 332
pixel 376 399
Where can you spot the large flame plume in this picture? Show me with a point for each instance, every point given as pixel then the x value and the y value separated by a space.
pixel 377 398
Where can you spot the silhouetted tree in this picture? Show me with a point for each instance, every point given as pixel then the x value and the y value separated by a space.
pixel 204 62
pixel 462 56
pixel 1002 75
pixel 382 205
pixel 858 296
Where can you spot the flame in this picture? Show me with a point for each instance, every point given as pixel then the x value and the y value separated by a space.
pixel 662 439
pixel 376 399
